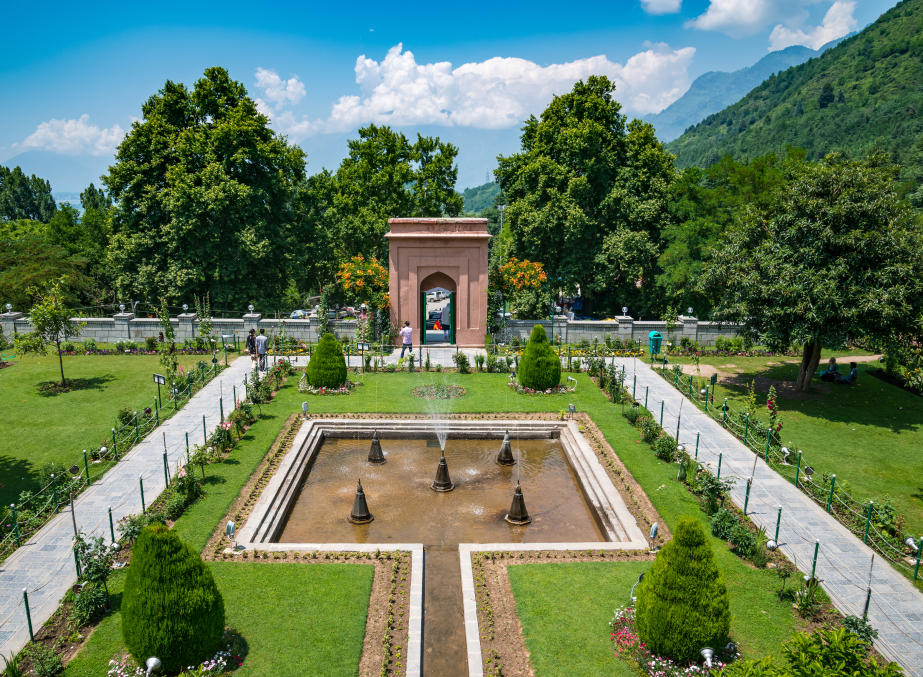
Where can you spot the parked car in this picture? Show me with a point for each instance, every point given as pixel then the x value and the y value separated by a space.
pixel 433 316
pixel 299 315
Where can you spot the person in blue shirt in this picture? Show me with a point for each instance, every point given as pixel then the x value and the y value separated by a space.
pixel 832 371
pixel 853 375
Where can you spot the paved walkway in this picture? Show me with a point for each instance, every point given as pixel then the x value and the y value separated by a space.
pixel 843 562
pixel 45 566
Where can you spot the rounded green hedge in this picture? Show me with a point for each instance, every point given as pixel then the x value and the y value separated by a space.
pixel 327 368
pixel 171 606
pixel 539 367
pixel 683 602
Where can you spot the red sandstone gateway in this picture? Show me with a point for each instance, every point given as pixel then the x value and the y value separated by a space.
pixel 450 254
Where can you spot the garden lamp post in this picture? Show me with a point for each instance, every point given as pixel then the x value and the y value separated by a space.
pixel 152 664
pixel 121 307
pixel 9 307
pixel 185 308
pixel 632 593
pixel 707 653
pixel 250 308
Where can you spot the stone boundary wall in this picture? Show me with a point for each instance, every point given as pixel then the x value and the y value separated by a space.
pixel 125 326
pixel 571 331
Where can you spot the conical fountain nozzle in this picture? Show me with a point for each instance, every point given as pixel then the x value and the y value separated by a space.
pixel 360 513
pixel 505 457
pixel 443 482
pixel 375 454
pixel 518 514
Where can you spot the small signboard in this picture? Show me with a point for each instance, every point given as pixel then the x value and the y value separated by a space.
pixel 362 346
pixel 159 380
pixel 714 379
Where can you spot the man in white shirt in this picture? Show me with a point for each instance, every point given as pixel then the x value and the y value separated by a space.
pixel 262 345
pixel 407 338
pixel 444 320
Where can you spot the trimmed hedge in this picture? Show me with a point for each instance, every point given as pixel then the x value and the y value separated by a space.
pixel 539 367
pixel 683 603
pixel 171 606
pixel 327 367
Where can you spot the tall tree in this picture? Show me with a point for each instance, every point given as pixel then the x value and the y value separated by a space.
pixel 204 194
pixel 30 261
pixel 836 256
pixel 586 190
pixel 95 198
pixel 24 197
pixel 383 176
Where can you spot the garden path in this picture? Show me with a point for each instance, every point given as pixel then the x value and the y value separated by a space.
pixel 843 561
pixel 45 565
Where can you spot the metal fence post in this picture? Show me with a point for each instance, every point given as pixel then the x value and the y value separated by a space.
pixel 634 385
pixel 86 465
pixel 221 407
pixel 204 431
pixel 778 524
pixel 647 390
pixel 156 414
pixel 707 386
pixel 814 566
pixel 54 491
pixel 661 412
pixel 166 472
pixel 115 446
pixel 720 456
pixel 724 414
pixel 916 569
pixel 697 446
pixel 137 437
pixel 798 469
pixel 746 428
pixel 25 599
pixel 768 440
pixel 868 521
pixel 747 495
pixel 141 484
pixel 77 562
pixel 111 525
pixel 832 487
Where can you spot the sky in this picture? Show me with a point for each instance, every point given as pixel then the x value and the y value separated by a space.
pixel 74 78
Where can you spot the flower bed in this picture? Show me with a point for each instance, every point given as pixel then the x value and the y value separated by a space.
pixel 435 391
pixel 522 390
pixel 629 647
pixel 343 389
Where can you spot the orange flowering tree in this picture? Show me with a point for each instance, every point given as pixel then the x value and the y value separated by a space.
pixel 523 285
pixel 366 281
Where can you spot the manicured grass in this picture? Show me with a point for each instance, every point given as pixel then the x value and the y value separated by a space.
pixel 38 429
pixel 297 619
pixel 868 434
pixel 564 623
pixel 223 481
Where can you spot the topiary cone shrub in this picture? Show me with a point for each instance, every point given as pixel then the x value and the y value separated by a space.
pixel 539 367
pixel 683 602
pixel 327 368
pixel 171 607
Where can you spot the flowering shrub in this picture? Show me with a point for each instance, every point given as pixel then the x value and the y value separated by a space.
pixel 522 390
pixel 364 280
pixel 521 275
pixel 629 647
pixel 124 668
pixel 343 389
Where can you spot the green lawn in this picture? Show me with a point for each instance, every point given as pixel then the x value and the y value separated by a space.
pixel 38 428
pixel 868 434
pixel 297 619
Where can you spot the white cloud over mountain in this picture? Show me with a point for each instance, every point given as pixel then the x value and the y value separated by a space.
pixel 838 21
pixel 493 94
pixel 74 137
pixel 739 18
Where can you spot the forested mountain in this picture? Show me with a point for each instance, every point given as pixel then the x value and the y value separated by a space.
pixel 717 90
pixel 480 197
pixel 867 90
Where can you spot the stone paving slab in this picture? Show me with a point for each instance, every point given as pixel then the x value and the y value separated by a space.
pixel 45 565
pixel 843 562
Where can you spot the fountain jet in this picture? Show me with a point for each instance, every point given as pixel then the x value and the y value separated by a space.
pixel 442 483
pixel 505 457
pixel 518 514
pixel 375 454
pixel 360 513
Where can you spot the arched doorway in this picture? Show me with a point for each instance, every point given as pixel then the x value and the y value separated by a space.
pixel 438 300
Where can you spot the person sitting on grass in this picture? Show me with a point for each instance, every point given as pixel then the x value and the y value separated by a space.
pixel 853 375
pixel 832 371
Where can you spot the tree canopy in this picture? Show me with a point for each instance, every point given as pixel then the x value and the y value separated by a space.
pixel 51 323
pixel 589 195
pixel 204 192
pixel 836 256
pixel 24 197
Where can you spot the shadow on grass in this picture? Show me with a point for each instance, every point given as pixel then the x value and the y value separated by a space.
pixel 15 477
pixel 53 388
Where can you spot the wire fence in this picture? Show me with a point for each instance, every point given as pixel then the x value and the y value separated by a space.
pixel 21 520
pixel 875 525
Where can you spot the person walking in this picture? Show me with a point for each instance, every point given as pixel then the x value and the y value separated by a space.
pixel 251 346
pixel 445 319
pixel 406 338
pixel 262 347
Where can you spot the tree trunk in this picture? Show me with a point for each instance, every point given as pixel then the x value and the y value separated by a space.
pixel 61 364
pixel 810 358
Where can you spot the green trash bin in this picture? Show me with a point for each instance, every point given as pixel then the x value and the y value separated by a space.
pixel 654 341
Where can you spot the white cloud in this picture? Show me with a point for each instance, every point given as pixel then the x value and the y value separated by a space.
pixel 279 91
pixel 661 6
pixel 75 137
pixel 493 94
pixel 738 18
pixel 837 22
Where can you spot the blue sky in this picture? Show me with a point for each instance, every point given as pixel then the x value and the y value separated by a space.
pixel 74 77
